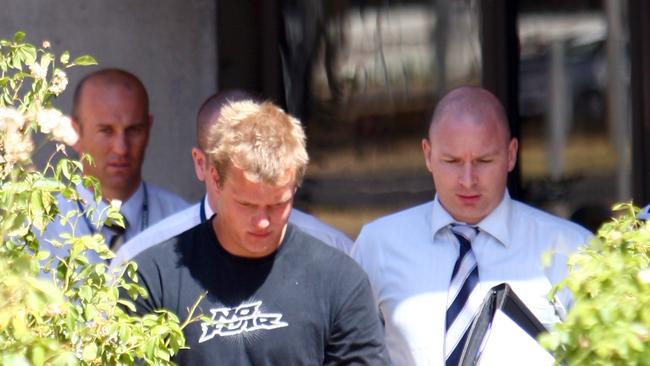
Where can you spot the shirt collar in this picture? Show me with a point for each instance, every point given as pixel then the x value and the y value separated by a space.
pixel 207 209
pixel 440 218
pixel 130 209
pixel 499 221
pixel 87 196
pixel 496 223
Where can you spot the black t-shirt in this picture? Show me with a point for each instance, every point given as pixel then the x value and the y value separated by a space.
pixel 305 304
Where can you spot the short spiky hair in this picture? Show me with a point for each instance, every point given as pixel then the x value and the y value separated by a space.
pixel 209 111
pixel 259 138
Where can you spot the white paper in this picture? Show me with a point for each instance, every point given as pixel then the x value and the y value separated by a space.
pixel 508 344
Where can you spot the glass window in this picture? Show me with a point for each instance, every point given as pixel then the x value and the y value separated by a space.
pixel 573 101
pixel 376 75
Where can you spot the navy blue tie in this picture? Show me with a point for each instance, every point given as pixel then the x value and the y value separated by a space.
pixel 117 235
pixel 462 301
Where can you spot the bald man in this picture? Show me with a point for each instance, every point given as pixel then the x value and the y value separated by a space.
pixel 200 212
pixel 111 116
pixel 430 266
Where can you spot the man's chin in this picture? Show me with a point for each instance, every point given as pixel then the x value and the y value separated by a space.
pixel 123 186
pixel 262 246
pixel 120 170
pixel 469 214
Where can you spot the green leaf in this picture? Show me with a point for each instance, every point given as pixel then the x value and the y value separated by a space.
pixel 90 312
pixel 29 53
pixel 77 319
pixel 65 169
pixel 42 255
pixel 65 57
pixel 48 185
pixel 37 202
pixel 46 59
pixel 85 293
pixel 19 36
pixel 127 304
pixel 38 355
pixel 85 60
pixel 17 61
pixel 90 352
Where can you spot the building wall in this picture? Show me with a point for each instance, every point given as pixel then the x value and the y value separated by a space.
pixel 169 44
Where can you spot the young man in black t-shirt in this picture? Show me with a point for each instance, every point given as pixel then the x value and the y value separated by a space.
pixel 275 295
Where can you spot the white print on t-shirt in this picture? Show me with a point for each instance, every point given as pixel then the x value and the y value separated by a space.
pixel 243 318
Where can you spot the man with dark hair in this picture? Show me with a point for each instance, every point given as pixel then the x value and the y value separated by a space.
pixel 431 265
pixel 111 117
pixel 207 116
pixel 275 295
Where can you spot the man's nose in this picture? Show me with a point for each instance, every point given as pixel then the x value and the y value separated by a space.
pixel 467 178
pixel 262 219
pixel 120 144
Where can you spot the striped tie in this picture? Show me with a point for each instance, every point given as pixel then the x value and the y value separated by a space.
pixel 462 301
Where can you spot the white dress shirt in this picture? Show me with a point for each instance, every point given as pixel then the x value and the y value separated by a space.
pixel 320 230
pixel 409 257
pixel 191 216
pixel 159 204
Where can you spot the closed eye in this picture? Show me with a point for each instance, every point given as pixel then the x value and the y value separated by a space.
pixel 450 161
pixel 247 205
pixel 281 204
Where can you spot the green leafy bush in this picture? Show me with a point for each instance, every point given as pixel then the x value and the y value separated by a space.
pixel 58 311
pixel 609 323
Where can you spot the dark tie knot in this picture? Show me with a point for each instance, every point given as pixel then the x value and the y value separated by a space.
pixel 116 229
pixel 117 234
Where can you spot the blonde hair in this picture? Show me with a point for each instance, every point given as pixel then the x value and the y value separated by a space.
pixel 260 139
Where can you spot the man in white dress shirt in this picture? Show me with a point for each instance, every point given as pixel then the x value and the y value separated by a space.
pixel 194 215
pixel 111 116
pixel 410 256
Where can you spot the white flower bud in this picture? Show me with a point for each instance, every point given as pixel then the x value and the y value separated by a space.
pixel 48 119
pixel 11 119
pixel 18 146
pixel 59 82
pixel 53 122
pixel 644 276
pixel 37 72
pixel 116 204
pixel 64 132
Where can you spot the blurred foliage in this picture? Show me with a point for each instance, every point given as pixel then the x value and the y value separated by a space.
pixel 609 323
pixel 63 310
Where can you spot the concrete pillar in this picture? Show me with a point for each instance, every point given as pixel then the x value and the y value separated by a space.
pixel 559 111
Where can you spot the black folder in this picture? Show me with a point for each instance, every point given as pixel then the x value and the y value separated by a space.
pixel 500 297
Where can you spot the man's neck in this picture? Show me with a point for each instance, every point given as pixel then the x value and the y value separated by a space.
pixel 119 194
pixel 227 241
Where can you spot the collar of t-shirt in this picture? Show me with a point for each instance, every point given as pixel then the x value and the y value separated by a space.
pixel 207 209
pixel 131 209
pixel 287 241
pixel 495 224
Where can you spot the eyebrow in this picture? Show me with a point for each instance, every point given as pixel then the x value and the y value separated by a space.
pixel 109 124
pixel 481 156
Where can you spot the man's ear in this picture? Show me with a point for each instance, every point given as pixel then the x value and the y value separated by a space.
pixel 199 159
pixel 215 177
pixel 426 150
pixel 77 128
pixel 513 147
